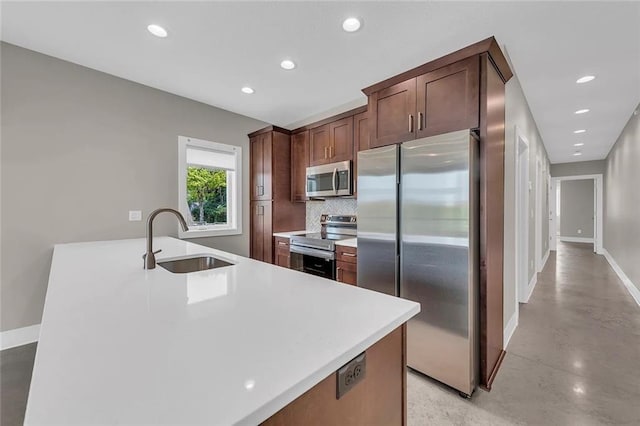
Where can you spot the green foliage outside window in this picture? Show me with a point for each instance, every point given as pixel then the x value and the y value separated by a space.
pixel 207 195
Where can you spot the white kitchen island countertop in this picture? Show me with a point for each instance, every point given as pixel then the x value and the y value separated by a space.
pixel 121 345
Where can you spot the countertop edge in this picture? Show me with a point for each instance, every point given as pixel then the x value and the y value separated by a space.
pixel 284 399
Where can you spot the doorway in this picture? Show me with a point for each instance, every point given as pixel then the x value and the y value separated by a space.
pixel 523 189
pixel 581 218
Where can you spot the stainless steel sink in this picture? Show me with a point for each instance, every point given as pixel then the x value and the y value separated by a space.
pixel 193 264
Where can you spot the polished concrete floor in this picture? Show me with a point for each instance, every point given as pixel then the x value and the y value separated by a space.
pixel 15 376
pixel 573 360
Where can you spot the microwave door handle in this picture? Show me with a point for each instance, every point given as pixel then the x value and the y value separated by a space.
pixel 334 183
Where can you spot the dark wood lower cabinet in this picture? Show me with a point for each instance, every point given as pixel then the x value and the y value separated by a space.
pixel 347 273
pixel 380 399
pixel 346 264
pixel 281 250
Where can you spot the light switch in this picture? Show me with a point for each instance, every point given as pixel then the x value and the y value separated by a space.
pixel 135 215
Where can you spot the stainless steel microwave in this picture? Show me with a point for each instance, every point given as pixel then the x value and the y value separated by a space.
pixel 329 180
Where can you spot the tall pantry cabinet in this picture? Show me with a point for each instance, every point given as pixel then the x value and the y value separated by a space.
pixel 270 188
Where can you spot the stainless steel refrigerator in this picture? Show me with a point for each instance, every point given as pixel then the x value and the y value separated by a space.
pixel 418 239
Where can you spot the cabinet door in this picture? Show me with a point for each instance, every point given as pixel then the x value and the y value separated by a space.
pixel 299 164
pixel 360 143
pixel 346 273
pixel 341 140
pixel 448 98
pixel 261 173
pixel 319 145
pixel 392 112
pixel 261 231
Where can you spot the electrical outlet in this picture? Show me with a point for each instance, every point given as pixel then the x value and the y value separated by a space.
pixel 351 374
pixel 135 215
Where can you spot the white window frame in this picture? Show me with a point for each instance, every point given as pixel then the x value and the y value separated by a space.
pixel 234 191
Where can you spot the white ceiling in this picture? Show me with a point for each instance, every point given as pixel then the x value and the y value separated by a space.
pixel 215 48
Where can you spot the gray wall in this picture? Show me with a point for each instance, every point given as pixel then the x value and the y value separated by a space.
pixel 81 148
pixel 595 167
pixel 622 200
pixel 518 114
pixel 576 208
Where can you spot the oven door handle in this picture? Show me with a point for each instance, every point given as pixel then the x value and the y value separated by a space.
pixel 322 254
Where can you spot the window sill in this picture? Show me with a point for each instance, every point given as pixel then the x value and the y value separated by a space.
pixel 201 233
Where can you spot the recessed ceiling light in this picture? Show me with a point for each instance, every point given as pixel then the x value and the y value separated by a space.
pixel 157 30
pixel 578 144
pixel 585 79
pixel 582 111
pixel 579 131
pixel 248 90
pixel 577 153
pixel 351 25
pixel 288 64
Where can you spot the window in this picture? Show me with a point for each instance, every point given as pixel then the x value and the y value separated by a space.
pixel 209 187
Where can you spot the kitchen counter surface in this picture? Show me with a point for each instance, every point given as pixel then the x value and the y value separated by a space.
pixel 290 233
pixel 121 345
pixel 350 242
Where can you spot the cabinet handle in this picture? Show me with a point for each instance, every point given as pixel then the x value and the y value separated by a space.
pixel 419 121
pixel 410 123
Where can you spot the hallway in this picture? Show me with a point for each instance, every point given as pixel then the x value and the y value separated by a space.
pixel 573 360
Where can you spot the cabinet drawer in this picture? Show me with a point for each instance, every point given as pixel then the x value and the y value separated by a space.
pixel 346 254
pixel 281 244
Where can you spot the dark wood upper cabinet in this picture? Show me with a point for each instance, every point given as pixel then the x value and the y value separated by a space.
pixel 299 164
pixel 319 145
pixel 261 166
pixel 341 140
pixel 361 131
pixel 448 98
pixel 392 112
pixel 360 143
pixel 331 142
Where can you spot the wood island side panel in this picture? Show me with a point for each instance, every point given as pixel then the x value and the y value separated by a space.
pixel 380 399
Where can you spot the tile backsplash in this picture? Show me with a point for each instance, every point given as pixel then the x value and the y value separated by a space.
pixel 329 206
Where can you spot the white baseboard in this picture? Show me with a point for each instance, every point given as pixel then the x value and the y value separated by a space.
pixel 544 260
pixel 633 290
pixel 576 240
pixel 19 336
pixel 530 287
pixel 510 329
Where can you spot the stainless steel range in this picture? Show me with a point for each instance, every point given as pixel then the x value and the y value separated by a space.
pixel 315 253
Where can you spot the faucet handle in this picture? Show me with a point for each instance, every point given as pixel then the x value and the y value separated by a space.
pixel 144 256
